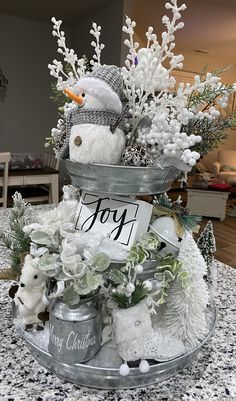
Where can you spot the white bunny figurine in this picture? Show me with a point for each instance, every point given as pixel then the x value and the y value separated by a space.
pixel 30 293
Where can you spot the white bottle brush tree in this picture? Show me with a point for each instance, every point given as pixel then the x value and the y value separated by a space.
pixel 185 314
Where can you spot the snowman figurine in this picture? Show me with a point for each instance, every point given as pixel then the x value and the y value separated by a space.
pixel 93 133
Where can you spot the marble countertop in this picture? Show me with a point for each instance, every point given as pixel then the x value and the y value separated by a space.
pixel 212 377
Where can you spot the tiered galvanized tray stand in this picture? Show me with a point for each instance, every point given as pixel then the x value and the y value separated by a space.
pixel 103 370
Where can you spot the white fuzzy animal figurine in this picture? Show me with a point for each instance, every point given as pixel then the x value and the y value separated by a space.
pixel 70 193
pixel 94 135
pixel 30 293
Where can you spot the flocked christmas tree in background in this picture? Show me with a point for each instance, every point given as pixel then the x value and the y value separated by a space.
pixel 15 239
pixel 186 305
pixel 207 245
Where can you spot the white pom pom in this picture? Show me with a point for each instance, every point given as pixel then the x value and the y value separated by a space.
pixel 138 269
pixel 148 285
pixel 130 288
pixel 120 289
pixel 144 366
pixel 124 370
pixel 192 162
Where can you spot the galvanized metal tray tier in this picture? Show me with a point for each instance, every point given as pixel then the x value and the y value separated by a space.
pixel 103 370
pixel 121 180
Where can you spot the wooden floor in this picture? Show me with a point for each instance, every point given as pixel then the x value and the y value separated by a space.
pixel 225 234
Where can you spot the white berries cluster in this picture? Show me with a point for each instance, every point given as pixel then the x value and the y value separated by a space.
pixel 127 289
pixel 56 132
pixel 165 136
pixel 68 107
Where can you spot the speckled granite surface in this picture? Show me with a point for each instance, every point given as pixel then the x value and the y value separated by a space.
pixel 210 378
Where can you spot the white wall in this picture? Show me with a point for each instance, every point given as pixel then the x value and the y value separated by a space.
pixel 26 47
pixel 27 114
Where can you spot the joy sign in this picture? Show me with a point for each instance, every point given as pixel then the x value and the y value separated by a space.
pixel 122 219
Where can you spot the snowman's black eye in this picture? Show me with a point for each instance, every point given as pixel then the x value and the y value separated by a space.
pixel 83 94
pixel 35 276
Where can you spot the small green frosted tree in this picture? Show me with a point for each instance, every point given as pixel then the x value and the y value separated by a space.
pixel 15 239
pixel 207 245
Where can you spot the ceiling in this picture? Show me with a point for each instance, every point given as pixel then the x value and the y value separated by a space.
pixel 210 25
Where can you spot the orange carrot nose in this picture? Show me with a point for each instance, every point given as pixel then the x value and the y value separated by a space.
pixel 77 98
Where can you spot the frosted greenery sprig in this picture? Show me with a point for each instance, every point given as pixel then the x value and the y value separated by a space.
pixel 129 290
pixel 140 252
pixel 81 277
pixel 15 239
pixel 213 132
pixel 168 270
pixel 210 96
pixel 207 243
pixel 89 279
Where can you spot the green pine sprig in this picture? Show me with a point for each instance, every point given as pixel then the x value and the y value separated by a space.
pixel 208 96
pixel 15 239
pixel 213 132
pixel 140 293
pixel 189 221
pixel 58 97
pixel 164 201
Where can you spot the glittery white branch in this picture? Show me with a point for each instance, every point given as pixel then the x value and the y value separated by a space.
pixel 143 71
pixel 74 68
pixel 98 47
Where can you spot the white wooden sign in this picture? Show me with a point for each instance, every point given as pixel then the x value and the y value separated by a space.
pixel 122 219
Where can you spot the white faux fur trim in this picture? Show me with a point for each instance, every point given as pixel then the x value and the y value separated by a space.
pixel 101 90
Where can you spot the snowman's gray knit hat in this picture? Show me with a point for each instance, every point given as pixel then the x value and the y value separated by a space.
pixel 105 83
pixel 111 75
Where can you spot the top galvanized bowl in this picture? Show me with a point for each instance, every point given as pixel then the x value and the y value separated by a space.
pixel 121 180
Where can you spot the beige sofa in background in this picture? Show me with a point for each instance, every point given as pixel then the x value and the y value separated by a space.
pixel 225 166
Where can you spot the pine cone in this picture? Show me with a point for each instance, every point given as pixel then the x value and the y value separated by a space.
pixel 137 155
pixel 179 210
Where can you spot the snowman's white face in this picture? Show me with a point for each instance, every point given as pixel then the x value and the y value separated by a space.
pixel 90 102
